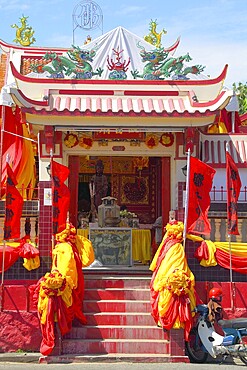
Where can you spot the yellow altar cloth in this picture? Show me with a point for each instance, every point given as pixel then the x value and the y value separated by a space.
pixel 83 232
pixel 141 243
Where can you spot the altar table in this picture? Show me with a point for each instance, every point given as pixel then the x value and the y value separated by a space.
pixel 141 243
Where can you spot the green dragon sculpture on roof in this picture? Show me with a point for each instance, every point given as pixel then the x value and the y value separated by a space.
pixel 75 65
pixel 159 62
pixel 160 66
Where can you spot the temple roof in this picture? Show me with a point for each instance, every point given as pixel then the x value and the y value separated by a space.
pixel 123 98
pixel 100 95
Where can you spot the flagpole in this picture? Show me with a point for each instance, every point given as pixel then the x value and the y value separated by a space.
pixel 232 293
pixel 186 208
pixel 2 280
pixel 51 178
pixel 1 170
pixel 230 248
pixel 1 152
pixel 4 249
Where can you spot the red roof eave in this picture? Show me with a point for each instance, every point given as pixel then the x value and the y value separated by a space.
pixel 43 103
pixel 120 113
pixel 23 78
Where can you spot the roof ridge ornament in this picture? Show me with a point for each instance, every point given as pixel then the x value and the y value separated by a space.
pixel 117 67
pixel 77 63
pixel 24 34
pixel 154 38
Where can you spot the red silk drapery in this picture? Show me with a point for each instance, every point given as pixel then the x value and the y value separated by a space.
pixel 12 253
pixel 10 256
pixel 173 296
pixel 221 255
pixel 59 294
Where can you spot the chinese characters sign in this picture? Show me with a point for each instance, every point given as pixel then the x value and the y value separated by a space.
pixel 13 208
pixel 200 184
pixel 233 184
pixel 60 196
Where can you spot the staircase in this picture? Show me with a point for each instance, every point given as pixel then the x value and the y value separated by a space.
pixel 119 324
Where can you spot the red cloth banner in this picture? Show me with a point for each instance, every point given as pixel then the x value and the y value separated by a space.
pixel 13 207
pixel 60 196
pixel 200 183
pixel 233 185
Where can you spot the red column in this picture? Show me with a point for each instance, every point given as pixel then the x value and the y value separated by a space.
pixel 74 167
pixel 165 188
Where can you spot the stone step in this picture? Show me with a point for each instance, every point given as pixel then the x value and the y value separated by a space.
pixel 132 282
pixel 120 318
pixel 117 332
pixel 113 358
pixel 119 322
pixel 117 294
pixel 116 306
pixel 104 346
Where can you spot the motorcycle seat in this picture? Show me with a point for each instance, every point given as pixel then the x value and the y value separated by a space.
pixel 234 323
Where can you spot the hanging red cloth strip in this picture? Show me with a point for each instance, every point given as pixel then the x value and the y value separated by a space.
pixel 60 196
pixel 233 189
pixel 13 207
pixel 201 179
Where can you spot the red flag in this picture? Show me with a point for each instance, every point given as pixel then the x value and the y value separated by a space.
pixel 233 185
pixel 200 183
pixel 60 196
pixel 13 208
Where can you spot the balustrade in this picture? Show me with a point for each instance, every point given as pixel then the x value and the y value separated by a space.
pixel 33 227
pixel 219 230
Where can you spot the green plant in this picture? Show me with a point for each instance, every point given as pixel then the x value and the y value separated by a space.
pixel 241 92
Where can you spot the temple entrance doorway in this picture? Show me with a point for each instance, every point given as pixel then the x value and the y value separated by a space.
pixel 134 181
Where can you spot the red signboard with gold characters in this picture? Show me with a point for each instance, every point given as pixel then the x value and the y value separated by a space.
pixel 118 135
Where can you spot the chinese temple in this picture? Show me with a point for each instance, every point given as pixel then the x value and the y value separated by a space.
pixel 135 107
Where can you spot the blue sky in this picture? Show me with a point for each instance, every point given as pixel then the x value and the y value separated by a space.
pixel 214 32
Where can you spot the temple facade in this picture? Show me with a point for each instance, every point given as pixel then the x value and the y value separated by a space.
pixel 137 110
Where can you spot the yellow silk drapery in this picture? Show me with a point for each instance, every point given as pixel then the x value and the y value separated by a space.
pixel 236 249
pixel 172 285
pixel 60 292
pixel 26 176
pixel 217 128
pixel 175 259
pixel 27 250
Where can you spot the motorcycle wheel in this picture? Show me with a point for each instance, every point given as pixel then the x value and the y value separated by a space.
pixel 194 348
pixel 243 359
